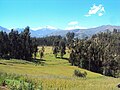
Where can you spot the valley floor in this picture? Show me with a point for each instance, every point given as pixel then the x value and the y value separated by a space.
pixel 58 74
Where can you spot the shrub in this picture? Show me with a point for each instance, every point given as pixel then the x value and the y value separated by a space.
pixel 18 82
pixel 78 73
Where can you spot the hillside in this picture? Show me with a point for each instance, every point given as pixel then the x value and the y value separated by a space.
pixel 57 74
pixel 80 33
pixel 42 32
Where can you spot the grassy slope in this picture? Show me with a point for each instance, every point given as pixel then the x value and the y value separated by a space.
pixel 58 74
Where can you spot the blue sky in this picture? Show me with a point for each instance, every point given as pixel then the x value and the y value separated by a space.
pixel 63 14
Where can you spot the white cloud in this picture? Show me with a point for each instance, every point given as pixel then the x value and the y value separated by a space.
pixel 74 27
pixel 102 9
pixel 48 26
pixel 87 15
pixel 100 14
pixel 96 10
pixel 73 23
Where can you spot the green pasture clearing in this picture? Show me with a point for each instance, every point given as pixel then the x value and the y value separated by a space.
pixel 58 74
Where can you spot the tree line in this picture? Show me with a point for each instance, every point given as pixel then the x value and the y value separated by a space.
pixel 48 41
pixel 17 45
pixel 58 43
pixel 100 53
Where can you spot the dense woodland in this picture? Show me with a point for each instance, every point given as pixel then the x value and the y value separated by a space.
pixel 17 45
pixel 100 53
pixel 48 41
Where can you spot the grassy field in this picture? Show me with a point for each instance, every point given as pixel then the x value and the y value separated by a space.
pixel 58 74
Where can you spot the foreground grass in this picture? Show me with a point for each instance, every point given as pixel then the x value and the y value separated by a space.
pixel 57 74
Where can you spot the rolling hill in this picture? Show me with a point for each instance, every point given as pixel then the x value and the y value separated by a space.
pixel 55 74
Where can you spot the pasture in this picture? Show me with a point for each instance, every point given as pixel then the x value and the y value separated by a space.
pixel 57 74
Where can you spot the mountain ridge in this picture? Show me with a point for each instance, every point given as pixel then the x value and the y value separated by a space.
pixel 80 33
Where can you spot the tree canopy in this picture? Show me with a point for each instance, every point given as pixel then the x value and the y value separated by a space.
pixel 17 45
pixel 100 53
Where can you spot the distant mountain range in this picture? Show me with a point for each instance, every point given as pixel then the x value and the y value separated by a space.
pixel 80 33
pixel 43 32
pixel 4 29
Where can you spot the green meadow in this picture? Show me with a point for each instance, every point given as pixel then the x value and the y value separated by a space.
pixel 56 74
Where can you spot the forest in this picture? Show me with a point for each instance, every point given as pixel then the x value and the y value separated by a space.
pixel 17 45
pixel 99 53
pixel 59 63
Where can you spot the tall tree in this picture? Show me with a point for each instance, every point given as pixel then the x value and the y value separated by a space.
pixel 70 41
pixel 100 53
pixel 56 48
pixel 62 48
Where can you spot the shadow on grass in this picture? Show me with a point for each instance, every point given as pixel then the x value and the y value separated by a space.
pixel 3 63
pixel 63 58
pixel 18 61
pixel 39 61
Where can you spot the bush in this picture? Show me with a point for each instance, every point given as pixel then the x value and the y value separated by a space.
pixel 18 82
pixel 78 73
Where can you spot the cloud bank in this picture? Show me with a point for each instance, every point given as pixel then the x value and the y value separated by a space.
pixel 74 25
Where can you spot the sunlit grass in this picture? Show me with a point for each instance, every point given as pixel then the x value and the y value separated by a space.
pixel 58 74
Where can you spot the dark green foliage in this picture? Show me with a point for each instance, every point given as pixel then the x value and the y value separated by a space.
pixel 72 58
pixel 78 73
pixel 18 82
pixel 48 41
pixel 56 48
pixel 100 53
pixel 35 45
pixel 59 47
pixel 70 41
pixel 118 85
pixel 4 44
pixel 55 51
pixel 62 48
pixel 17 45
pixel 70 36
pixel 42 52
